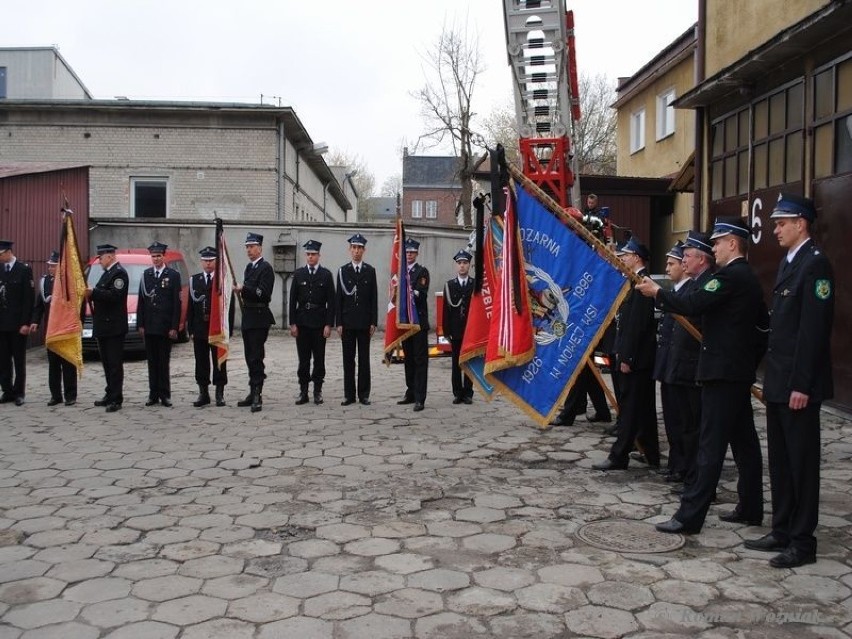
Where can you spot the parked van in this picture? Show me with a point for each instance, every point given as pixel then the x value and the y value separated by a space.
pixel 135 261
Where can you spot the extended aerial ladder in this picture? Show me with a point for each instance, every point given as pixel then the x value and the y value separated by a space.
pixel 540 45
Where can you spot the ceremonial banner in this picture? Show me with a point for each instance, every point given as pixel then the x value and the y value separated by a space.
pixel 401 320
pixel 510 340
pixel 219 332
pixel 64 335
pixel 574 294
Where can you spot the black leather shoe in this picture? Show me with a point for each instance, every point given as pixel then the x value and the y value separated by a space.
pixel 53 401
pixel 736 517
pixel 767 543
pixel 676 490
pixel 467 400
pixel 318 398
pixel 245 402
pixel 151 402
pixel 166 402
pixel 366 401
pixel 101 402
pixel 405 400
pixel 792 558
pixel 70 402
pixel 418 406
pixel 19 400
pixel 637 456
pixel 347 402
pixel 673 526
pixel 597 417
pixel 612 431
pixel 675 477
pixel 303 399
pixel 608 464
pixel 113 408
pixel 5 398
pixel 457 400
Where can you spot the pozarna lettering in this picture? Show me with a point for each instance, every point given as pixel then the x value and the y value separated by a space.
pixel 533 236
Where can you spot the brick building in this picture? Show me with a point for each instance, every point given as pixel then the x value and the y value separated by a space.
pixel 431 189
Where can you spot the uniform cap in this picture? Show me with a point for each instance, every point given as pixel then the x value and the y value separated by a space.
pixel 358 240
pixel 105 248
pixel 634 246
pixel 157 247
pixel 412 245
pixel 312 246
pixel 676 251
pixel 208 253
pixel 791 206
pixel 700 241
pixel 462 256
pixel 730 226
pixel 254 238
pixel 54 258
pixel 5 245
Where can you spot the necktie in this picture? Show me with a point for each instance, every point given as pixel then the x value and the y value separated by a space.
pixel 311 269
pixel 208 279
pixel 357 270
pixel 8 267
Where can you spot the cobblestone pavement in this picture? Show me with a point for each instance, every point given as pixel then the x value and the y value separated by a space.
pixel 374 522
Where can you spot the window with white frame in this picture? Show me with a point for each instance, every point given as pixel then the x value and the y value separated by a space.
pixel 149 196
pixel 665 114
pixel 416 208
pixel 432 209
pixel 637 130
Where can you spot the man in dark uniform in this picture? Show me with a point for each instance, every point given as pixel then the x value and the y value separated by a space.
pixel 256 293
pixel 311 316
pixel 198 325
pixel 357 313
pixel 60 372
pixel 681 369
pixel 635 343
pixel 797 379
pixel 665 328
pixel 17 295
pixel 457 293
pixel 735 325
pixel 109 323
pixel 158 316
pixel 415 349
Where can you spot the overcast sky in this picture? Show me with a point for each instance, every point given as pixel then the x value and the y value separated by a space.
pixel 348 68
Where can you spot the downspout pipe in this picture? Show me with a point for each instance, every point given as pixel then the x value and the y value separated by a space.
pixel 700 116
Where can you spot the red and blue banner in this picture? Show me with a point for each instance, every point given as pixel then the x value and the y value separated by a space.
pixel 401 319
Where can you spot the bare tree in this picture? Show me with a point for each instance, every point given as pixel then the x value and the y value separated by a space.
pixel 391 186
pixel 363 179
pixel 594 134
pixel 446 103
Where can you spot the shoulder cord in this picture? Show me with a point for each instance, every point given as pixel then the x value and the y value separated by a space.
pixel 448 298
pixel 193 296
pixel 346 291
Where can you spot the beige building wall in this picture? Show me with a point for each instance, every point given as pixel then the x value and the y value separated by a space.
pixel 734 27
pixel 659 157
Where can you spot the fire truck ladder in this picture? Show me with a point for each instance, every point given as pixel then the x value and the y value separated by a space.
pixel 537 37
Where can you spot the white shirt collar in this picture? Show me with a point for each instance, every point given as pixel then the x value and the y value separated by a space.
pixel 678 286
pixel 791 254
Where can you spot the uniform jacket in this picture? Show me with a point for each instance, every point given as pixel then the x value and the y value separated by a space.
pixel 635 335
pixel 17 296
pixel 258 282
pixel 682 365
pixel 799 357
pixel 109 303
pixel 158 310
pixel 664 339
pixel 456 306
pixel 198 309
pixel 357 301
pixel 419 278
pixel 734 322
pixel 41 309
pixel 312 298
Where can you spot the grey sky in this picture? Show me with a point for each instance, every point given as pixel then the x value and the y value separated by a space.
pixel 347 67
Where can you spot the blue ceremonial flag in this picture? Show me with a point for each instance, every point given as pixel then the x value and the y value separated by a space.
pixel 574 294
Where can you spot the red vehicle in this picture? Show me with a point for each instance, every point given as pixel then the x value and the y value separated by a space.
pixel 135 261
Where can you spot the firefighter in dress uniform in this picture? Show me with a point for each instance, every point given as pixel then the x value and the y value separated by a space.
pixel 17 296
pixel 109 324
pixel 60 372
pixel 735 325
pixel 198 324
pixel 356 317
pixel 158 314
pixel 311 316
pixel 415 349
pixel 796 381
pixel 256 293
pixel 457 294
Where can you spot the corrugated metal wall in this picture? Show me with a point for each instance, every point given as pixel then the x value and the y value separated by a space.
pixel 30 215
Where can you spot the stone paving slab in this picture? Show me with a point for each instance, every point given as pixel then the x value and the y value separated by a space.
pixel 369 521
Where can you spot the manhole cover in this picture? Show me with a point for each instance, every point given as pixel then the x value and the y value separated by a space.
pixel 628 536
